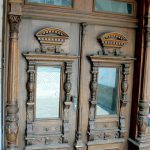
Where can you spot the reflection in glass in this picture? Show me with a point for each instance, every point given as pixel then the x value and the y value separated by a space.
pixel 53 2
pixel 47 92
pixel 113 6
pixel 107 91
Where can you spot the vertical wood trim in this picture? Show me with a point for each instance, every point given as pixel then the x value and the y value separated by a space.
pixel 143 101
pixel 79 145
pixel 5 64
pixel 139 50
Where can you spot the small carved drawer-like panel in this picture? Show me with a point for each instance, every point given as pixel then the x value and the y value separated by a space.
pixel 99 125
pixel 102 147
pixel 47 129
pixel 57 139
pixel 106 134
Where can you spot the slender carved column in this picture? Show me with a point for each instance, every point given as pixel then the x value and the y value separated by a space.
pixel 12 84
pixel 93 88
pixel 124 100
pixel 67 102
pixel 30 101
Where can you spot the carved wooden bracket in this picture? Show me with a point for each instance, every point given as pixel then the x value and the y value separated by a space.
pixel 51 39
pixel 112 43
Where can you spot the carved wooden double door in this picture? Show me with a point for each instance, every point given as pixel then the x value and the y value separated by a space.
pixel 75 85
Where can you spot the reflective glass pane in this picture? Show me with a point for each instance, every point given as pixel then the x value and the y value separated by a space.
pixel 53 2
pixel 47 92
pixel 113 6
pixel 107 91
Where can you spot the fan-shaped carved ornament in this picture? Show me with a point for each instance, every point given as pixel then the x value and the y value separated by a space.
pixel 112 39
pixel 112 42
pixel 51 36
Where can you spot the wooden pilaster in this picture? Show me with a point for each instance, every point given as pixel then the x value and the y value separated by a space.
pixel 11 127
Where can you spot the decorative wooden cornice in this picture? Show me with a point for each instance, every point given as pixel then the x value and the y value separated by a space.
pixel 111 59
pixel 49 58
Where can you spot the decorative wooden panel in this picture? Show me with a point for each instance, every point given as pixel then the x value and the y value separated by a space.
pixel 48 131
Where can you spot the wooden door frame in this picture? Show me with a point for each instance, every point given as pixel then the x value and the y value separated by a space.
pixel 139 103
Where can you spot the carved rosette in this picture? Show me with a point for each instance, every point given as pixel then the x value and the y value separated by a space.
pixel 67 102
pixel 93 88
pixel 142 120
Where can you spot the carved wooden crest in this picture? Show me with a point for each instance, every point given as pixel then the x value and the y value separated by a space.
pixel 112 42
pixel 51 39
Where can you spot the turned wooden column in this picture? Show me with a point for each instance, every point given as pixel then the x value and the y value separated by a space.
pixel 11 127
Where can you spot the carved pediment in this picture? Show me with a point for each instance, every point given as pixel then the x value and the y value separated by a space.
pixel 51 36
pixel 112 42
pixel 51 39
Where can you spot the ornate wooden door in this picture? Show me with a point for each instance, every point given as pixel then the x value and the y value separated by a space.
pixel 75 77
pixel 75 90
